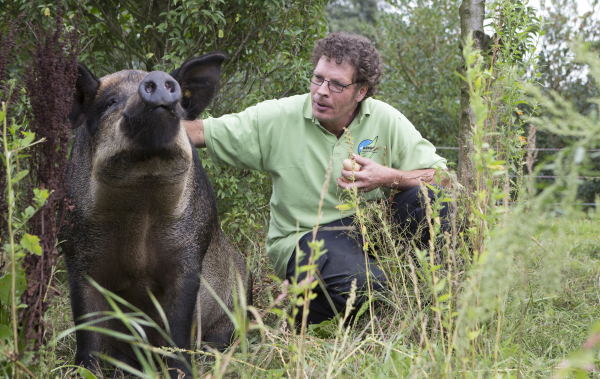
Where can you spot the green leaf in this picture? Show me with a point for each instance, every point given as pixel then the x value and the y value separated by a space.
pixel 5 332
pixel 19 176
pixel 344 207
pixel 29 137
pixel 473 334
pixel 581 374
pixel 362 309
pixel 440 286
pixel 29 212
pixel 6 285
pixel 31 243
pixel 40 196
pixel 85 373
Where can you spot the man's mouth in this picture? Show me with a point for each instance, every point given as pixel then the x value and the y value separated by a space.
pixel 321 106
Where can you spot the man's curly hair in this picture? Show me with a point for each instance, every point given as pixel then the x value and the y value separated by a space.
pixel 358 51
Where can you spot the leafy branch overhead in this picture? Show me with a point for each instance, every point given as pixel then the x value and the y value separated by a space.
pixel 267 41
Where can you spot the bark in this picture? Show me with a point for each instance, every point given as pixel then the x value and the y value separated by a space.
pixel 472 13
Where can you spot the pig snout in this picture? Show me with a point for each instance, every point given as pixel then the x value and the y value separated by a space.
pixel 151 117
pixel 159 89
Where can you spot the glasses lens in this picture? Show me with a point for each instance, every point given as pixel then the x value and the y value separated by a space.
pixel 336 87
pixel 318 80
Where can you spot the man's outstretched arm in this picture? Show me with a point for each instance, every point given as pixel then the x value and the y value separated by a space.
pixel 195 129
pixel 373 175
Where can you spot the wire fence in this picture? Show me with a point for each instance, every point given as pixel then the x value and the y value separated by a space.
pixel 554 177
pixel 536 149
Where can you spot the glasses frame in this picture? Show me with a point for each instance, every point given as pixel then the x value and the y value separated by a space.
pixel 312 74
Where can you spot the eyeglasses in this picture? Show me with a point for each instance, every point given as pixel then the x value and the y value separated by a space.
pixel 333 86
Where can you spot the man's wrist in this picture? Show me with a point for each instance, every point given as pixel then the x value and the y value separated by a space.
pixel 398 177
pixel 195 129
pixel 403 180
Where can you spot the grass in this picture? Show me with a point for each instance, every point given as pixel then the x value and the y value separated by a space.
pixel 403 341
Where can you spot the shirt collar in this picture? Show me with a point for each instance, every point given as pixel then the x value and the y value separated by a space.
pixel 307 109
pixel 364 109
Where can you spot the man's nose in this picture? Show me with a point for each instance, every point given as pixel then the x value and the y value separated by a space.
pixel 323 90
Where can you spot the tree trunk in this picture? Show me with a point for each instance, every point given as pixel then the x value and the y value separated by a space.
pixel 472 13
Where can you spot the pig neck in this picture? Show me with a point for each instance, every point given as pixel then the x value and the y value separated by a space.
pixel 131 180
pixel 148 194
pixel 139 214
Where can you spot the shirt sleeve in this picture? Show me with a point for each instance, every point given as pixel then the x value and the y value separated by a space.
pixel 234 140
pixel 416 153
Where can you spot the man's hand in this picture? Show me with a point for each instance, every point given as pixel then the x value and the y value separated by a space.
pixel 372 175
pixel 365 180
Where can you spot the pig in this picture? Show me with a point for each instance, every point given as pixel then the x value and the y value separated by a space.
pixel 144 215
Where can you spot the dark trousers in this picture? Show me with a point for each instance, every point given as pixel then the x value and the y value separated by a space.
pixel 344 260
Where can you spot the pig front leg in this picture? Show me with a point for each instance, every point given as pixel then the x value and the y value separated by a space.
pixel 181 296
pixel 85 299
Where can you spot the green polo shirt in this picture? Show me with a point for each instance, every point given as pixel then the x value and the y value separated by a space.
pixel 283 138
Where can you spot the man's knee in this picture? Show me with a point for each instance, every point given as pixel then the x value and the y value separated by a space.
pixel 374 279
pixel 410 205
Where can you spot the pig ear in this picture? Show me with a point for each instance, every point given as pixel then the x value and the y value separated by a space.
pixel 85 90
pixel 199 81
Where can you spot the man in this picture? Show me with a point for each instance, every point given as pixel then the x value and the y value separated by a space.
pixel 295 138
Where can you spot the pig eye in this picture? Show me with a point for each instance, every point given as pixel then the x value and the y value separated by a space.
pixel 111 102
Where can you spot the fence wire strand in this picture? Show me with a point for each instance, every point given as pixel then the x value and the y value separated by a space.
pixel 536 149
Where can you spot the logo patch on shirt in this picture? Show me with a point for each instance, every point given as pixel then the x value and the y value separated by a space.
pixel 367 147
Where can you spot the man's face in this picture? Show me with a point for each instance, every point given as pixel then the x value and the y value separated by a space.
pixel 335 110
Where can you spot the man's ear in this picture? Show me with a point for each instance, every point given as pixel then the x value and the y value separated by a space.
pixel 85 91
pixel 199 81
pixel 360 94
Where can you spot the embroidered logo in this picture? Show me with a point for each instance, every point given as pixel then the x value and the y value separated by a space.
pixel 367 147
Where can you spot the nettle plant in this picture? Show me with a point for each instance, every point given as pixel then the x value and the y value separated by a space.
pixel 15 354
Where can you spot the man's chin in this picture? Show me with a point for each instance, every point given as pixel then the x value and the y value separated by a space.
pixel 321 119
pixel 320 115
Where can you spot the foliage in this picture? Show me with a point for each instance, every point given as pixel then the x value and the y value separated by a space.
pixel 517 34
pixel 560 72
pixel 486 193
pixel 38 105
pixel 50 86
pixel 8 41
pixel 242 200
pixel 268 43
pixel 419 45
pixel 15 343
pixel 351 16
pixel 562 117
pixel 266 40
